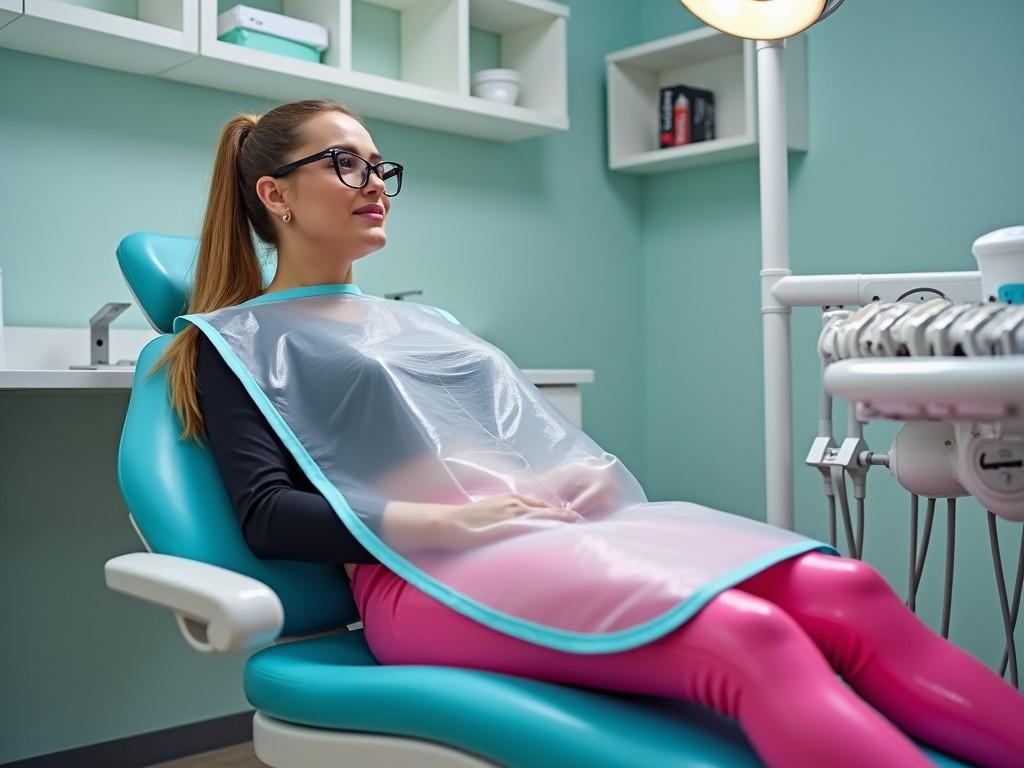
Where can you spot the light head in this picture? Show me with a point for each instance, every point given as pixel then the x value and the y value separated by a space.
pixel 761 19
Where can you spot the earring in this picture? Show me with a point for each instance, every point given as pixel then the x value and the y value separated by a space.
pixel 287 217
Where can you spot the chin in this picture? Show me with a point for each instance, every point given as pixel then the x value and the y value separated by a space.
pixel 374 244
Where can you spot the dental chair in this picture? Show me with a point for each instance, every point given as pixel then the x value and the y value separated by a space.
pixel 320 697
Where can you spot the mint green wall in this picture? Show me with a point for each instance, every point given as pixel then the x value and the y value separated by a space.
pixel 915 151
pixel 533 245
pixel 376 39
pixel 484 50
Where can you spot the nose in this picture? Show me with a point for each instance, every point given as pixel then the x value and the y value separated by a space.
pixel 374 184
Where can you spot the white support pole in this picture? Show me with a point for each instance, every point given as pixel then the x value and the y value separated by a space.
pixel 778 408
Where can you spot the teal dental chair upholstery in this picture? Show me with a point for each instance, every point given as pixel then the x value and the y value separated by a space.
pixel 320 696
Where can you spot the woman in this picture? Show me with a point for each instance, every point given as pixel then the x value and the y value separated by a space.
pixel 308 178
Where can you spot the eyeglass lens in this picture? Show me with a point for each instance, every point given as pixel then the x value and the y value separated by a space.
pixel 355 171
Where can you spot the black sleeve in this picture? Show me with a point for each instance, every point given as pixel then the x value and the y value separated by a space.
pixel 278 520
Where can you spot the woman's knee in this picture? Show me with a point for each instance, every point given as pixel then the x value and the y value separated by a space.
pixel 842 576
pixel 754 622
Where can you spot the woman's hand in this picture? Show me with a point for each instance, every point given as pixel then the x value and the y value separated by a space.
pixel 591 486
pixel 495 518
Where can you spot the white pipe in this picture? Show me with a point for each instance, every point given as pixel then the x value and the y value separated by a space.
pixel 778 425
pixel 857 290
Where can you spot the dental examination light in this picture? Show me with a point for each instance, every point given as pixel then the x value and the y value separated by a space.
pixel 769 22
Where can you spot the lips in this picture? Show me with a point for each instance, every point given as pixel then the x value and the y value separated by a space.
pixel 372 208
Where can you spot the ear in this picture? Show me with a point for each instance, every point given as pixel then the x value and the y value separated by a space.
pixel 272 193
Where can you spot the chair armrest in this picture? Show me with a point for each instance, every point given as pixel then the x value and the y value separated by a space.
pixel 219 611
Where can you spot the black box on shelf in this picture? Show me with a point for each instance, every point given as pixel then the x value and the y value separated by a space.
pixel 687 115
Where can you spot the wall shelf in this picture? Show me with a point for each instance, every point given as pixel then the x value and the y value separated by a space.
pixel 177 40
pixel 164 34
pixel 703 58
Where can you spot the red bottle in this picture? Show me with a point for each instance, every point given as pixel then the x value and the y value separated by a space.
pixel 681 119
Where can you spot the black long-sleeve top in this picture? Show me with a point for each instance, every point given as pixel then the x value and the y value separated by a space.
pixel 281 513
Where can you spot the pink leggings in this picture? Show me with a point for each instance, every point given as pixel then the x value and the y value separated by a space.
pixel 764 653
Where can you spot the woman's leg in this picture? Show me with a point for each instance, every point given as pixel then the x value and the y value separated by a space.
pixel 741 656
pixel 929 687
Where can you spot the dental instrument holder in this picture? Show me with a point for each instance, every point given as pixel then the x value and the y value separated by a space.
pixel 99 336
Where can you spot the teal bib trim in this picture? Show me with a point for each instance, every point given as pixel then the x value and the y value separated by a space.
pixel 574 642
pixel 303 291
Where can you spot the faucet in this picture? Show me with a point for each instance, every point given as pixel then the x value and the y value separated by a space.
pixel 99 335
pixel 398 296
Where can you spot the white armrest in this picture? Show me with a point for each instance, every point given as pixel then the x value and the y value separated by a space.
pixel 219 611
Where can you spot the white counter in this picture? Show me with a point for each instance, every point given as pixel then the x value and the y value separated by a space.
pixel 38 358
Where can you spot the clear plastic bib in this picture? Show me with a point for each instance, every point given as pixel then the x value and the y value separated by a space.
pixel 384 401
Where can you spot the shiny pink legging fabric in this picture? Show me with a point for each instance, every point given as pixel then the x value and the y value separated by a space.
pixel 765 653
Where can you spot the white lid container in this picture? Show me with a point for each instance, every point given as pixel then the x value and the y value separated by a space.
pixel 499 85
pixel 279 25
pixel 487 75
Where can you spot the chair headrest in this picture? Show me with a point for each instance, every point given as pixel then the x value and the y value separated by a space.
pixel 160 270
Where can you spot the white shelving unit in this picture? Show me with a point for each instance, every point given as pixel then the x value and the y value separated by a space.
pixel 165 33
pixel 177 40
pixel 702 58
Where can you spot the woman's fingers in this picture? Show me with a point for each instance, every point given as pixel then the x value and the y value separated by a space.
pixel 554 513
pixel 532 501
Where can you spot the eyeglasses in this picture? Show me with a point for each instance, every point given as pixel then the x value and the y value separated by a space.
pixel 352 170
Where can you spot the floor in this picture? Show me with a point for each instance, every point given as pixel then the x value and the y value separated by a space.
pixel 237 756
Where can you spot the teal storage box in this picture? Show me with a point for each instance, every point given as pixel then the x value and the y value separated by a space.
pixel 260 41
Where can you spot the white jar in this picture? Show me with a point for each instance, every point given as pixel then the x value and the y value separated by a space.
pixel 501 85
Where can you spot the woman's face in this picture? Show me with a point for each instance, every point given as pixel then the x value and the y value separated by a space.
pixel 327 215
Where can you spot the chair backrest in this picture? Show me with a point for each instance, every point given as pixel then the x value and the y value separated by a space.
pixel 172 487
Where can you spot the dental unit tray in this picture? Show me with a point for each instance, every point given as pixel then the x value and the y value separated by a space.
pixel 936 360
pixel 945 388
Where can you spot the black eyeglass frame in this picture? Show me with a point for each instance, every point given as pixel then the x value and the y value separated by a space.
pixel 333 153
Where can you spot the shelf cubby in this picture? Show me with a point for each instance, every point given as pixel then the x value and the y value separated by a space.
pixel 232 67
pixel 531 40
pixel 431 43
pixel 140 36
pixel 702 58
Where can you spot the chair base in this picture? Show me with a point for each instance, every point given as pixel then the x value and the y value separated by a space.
pixel 285 745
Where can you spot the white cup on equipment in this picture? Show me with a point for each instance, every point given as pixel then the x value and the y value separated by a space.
pixel 1000 256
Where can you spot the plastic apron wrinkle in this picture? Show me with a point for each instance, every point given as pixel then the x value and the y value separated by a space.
pixel 382 400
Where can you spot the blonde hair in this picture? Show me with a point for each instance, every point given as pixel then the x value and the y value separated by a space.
pixel 228 270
